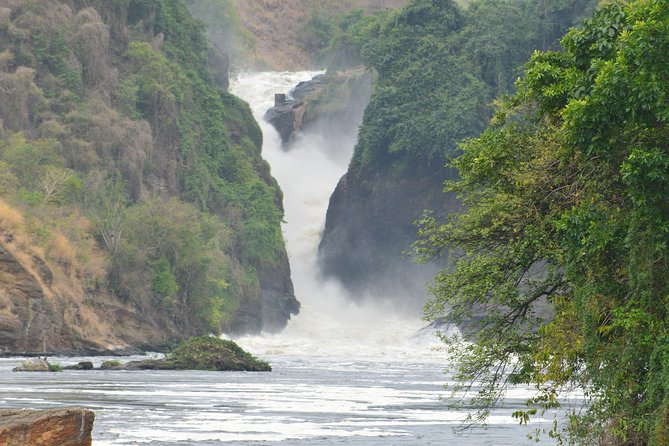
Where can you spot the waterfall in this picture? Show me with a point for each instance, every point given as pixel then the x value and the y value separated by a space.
pixel 329 322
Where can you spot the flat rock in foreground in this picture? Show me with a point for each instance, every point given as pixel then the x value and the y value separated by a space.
pixel 53 427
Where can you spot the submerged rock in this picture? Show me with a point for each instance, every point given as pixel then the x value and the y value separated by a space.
pixel 83 365
pixel 55 427
pixel 33 365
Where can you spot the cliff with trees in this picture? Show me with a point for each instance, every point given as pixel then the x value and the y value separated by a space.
pixel 437 68
pixel 136 208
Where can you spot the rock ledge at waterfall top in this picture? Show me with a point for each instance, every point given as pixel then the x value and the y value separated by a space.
pixel 330 104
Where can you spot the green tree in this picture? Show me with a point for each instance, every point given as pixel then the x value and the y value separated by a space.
pixel 566 198
pixel 106 199
pixel 439 67
pixel 172 256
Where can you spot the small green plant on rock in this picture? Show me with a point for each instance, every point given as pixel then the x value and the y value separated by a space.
pixel 55 367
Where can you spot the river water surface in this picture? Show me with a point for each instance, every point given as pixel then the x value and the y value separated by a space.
pixel 343 373
pixel 304 401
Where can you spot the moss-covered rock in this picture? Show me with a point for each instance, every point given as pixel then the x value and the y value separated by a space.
pixel 202 353
pixel 210 353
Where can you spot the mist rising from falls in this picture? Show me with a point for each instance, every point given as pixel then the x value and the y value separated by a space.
pixel 329 323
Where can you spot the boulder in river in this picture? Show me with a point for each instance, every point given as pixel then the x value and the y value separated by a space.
pixel 33 365
pixel 54 427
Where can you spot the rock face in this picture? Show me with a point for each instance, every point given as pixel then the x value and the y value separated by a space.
pixel 275 306
pixel 57 427
pixel 45 310
pixel 370 225
pixel 287 115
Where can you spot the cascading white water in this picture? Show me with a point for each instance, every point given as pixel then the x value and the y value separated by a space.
pixel 329 322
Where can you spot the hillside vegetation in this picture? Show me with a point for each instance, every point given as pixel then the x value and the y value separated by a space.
pixel 123 160
pixel 566 202
pixel 274 34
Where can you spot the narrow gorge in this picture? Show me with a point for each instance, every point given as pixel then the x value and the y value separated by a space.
pixel 428 222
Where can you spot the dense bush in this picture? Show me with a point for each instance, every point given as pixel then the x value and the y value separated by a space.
pixel 438 69
pixel 566 194
pixel 209 353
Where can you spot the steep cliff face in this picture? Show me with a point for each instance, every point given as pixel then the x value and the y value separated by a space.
pixel 370 227
pixel 50 309
pixel 150 215
pixel 438 68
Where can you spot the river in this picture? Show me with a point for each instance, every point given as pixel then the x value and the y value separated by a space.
pixel 343 373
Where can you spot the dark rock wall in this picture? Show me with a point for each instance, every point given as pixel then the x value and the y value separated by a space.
pixel 275 306
pixel 370 228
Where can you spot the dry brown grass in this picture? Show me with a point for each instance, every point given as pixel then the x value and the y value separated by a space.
pixel 277 25
pixel 60 249
pixel 10 218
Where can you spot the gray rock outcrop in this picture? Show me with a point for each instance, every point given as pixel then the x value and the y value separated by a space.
pixel 370 227
pixel 288 113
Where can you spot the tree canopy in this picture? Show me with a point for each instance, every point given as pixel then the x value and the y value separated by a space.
pixel 438 67
pixel 566 209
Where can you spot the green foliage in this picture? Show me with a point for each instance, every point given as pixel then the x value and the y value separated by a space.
pixel 110 364
pixel 34 172
pixel 163 282
pixel 154 87
pixel 219 174
pixel 54 53
pixel 173 256
pixel 55 367
pixel 565 203
pixel 27 159
pixel 438 69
